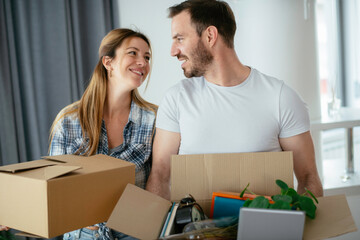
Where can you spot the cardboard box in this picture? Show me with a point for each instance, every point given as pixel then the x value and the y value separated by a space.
pixel 141 214
pixel 202 174
pixel 59 194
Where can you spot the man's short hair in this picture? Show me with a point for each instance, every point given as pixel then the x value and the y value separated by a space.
pixel 205 13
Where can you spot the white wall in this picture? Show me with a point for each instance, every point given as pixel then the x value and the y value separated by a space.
pixel 150 17
pixel 274 37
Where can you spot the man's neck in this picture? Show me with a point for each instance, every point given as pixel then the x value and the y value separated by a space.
pixel 227 70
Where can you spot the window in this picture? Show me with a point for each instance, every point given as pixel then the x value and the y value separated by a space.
pixel 328 52
pixel 338 37
pixel 338 33
pixel 350 32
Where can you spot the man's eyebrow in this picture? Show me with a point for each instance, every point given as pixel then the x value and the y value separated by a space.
pixel 177 35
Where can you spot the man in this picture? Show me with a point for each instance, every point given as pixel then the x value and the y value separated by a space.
pixel 225 106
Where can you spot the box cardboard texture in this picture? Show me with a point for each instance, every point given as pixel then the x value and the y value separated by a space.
pixel 59 194
pixel 141 214
pixel 200 175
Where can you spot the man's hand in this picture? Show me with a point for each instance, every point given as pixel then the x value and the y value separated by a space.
pixel 304 162
pixel 165 144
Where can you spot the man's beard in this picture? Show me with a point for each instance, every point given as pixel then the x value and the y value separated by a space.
pixel 201 58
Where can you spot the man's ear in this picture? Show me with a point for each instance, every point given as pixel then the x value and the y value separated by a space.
pixel 106 61
pixel 211 34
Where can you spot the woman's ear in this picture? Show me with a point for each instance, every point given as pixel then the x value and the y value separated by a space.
pixel 211 34
pixel 106 61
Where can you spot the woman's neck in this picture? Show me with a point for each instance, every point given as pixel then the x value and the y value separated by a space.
pixel 116 105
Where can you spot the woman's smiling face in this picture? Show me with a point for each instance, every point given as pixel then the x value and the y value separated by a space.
pixel 131 64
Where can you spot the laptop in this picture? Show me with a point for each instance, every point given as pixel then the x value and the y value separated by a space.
pixel 256 223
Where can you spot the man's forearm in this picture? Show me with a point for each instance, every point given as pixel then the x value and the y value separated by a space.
pixel 159 186
pixel 313 184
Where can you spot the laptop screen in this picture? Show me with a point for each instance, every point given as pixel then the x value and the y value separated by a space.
pixel 256 223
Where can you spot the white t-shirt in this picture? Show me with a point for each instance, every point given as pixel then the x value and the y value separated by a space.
pixel 249 117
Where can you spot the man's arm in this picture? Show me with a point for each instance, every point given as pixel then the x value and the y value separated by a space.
pixel 304 162
pixel 165 144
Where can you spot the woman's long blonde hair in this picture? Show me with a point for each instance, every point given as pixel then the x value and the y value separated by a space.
pixel 90 107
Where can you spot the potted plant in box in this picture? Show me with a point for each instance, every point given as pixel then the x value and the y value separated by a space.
pixel 288 199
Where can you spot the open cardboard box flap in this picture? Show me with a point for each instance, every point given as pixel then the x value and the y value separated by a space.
pixel 69 157
pixel 333 218
pixel 141 214
pixel 39 169
pixel 26 166
pixel 57 171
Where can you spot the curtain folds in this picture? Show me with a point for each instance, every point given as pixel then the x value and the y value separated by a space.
pixel 48 51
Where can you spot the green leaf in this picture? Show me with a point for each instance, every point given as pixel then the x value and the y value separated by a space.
pixel 281 205
pixel 284 198
pixel 283 201
pixel 259 202
pixel 306 204
pixel 312 195
pixel 247 203
pixel 242 193
pixel 293 194
pixel 284 187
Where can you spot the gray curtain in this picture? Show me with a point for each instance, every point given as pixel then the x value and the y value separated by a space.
pixel 48 50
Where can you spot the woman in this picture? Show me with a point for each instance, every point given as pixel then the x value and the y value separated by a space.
pixel 111 117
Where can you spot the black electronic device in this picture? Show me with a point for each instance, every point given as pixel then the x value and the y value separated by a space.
pixel 188 211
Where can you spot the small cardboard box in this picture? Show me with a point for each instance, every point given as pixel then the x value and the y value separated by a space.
pixel 59 194
pixel 141 214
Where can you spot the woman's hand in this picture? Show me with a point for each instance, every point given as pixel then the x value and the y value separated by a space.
pixel 2 228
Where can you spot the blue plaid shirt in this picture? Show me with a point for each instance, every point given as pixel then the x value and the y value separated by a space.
pixel 136 148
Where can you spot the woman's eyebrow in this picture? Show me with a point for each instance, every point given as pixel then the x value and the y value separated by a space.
pixel 137 49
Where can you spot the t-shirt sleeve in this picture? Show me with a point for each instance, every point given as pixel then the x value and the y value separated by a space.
pixel 294 114
pixel 168 112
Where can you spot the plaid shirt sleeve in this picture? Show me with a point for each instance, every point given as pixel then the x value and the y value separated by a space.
pixel 67 136
pixel 57 146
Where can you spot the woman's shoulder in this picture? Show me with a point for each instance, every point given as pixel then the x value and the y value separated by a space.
pixel 70 110
pixel 142 115
pixel 68 116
